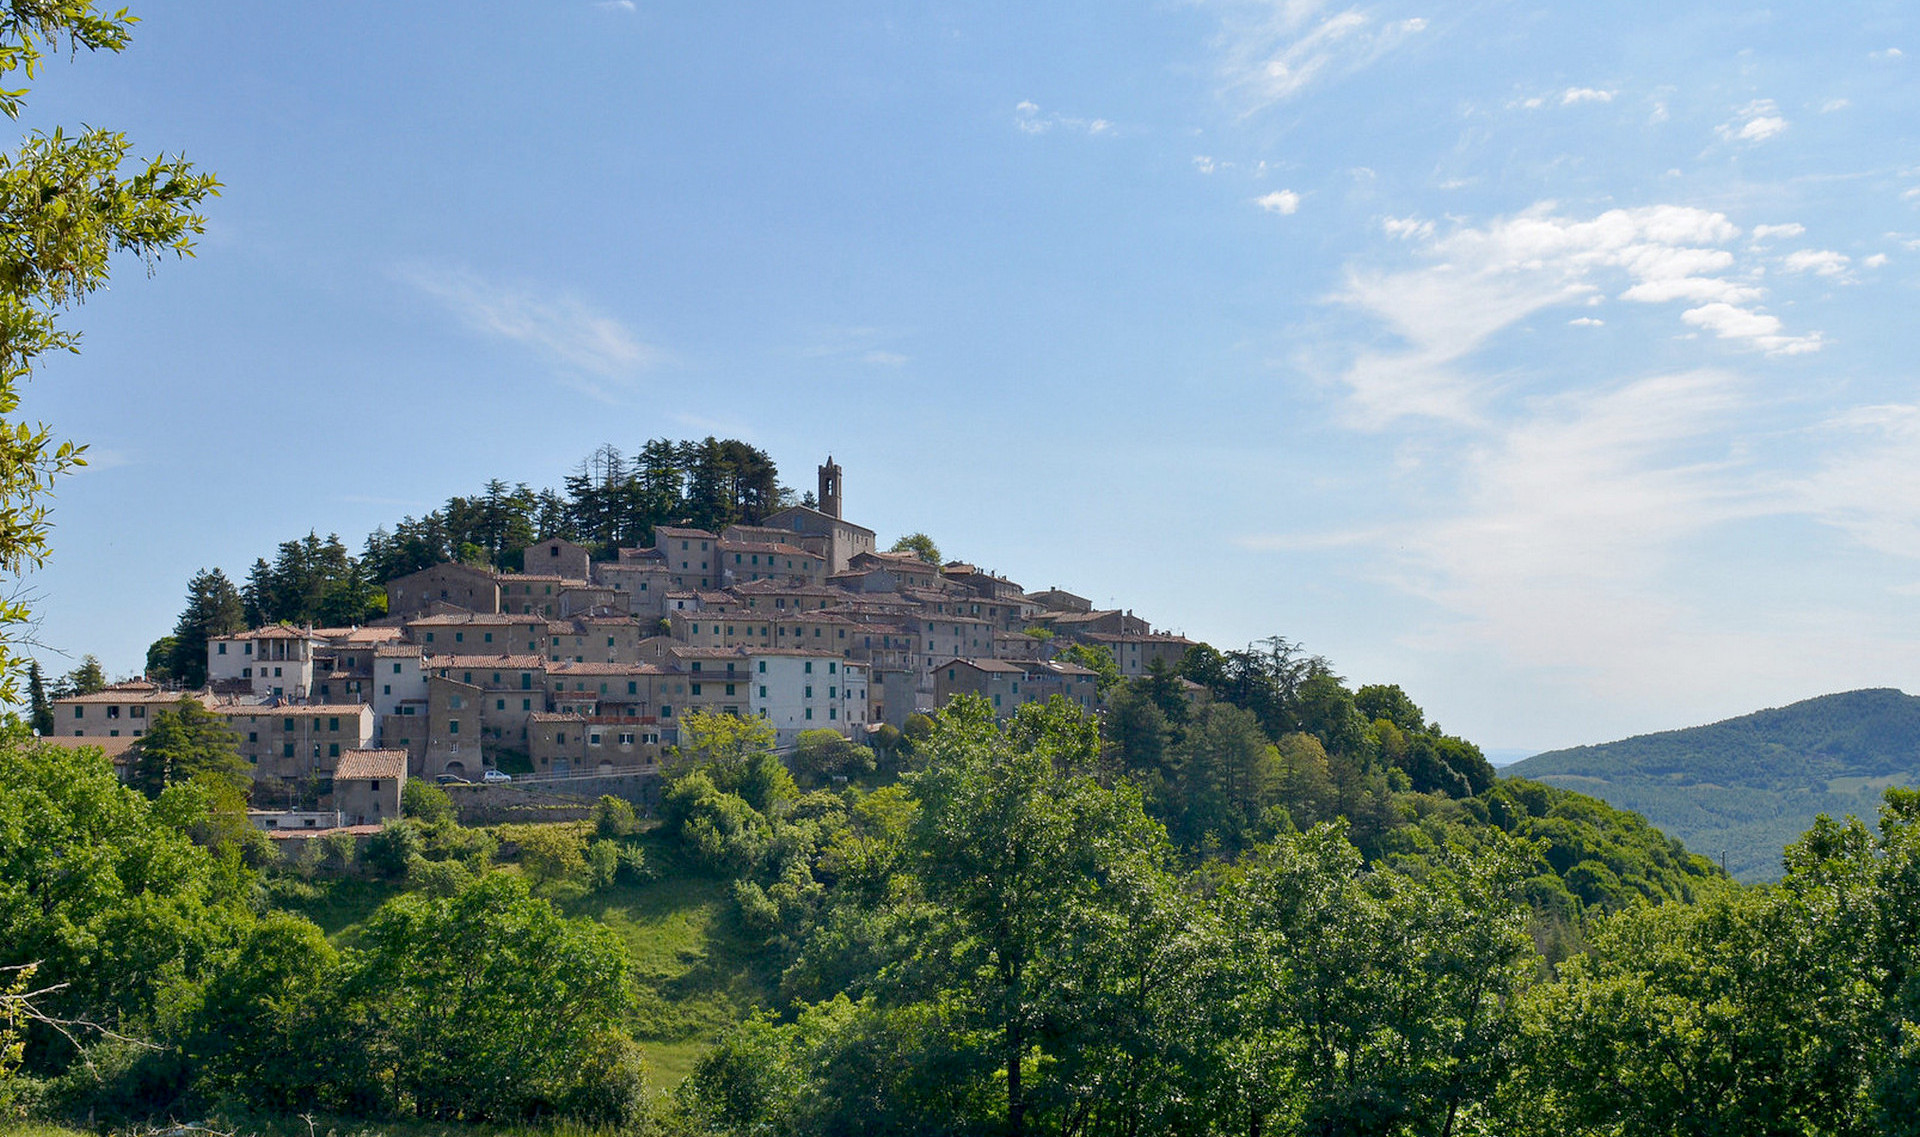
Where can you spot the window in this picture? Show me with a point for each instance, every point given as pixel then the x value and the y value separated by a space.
pixel 276 673
pixel 832 694
pixel 526 680
pixel 287 725
pixel 763 691
pixel 459 637
pixel 499 704
pixel 222 649
pixel 253 736
pixel 593 739
pixel 396 669
pixel 763 667
pixel 560 739
pixel 246 673
pixel 831 667
pixel 456 702
pixel 809 690
pixel 453 726
pixel 833 712
pixel 696 689
pixel 489 638
pixel 429 637
pixel 809 712
pixel 333 724
pixel 526 704
pixel 113 712
pixel 626 738
pixel 809 667
pixel 729 688
pixel 666 712
pixel 333 750
pixel 286 750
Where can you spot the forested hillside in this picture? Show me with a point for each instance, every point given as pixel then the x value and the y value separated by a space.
pixel 1254 901
pixel 1748 786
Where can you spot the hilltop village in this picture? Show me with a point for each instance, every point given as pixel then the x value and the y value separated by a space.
pixel 582 666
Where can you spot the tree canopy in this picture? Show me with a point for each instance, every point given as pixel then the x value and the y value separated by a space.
pixel 68 202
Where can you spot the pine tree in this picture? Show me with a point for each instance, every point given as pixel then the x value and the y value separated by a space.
pixel 214 608
pixel 40 711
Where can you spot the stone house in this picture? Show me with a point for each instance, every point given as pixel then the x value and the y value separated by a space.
pixel 367 785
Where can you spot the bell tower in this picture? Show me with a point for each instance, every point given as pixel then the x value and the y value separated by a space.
pixel 830 488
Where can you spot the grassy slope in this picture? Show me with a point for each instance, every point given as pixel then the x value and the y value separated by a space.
pixel 698 973
pixel 1748 786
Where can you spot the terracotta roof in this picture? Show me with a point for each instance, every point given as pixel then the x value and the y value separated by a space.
pixel 681 534
pixel 270 632
pixel 1134 637
pixel 778 549
pixel 296 710
pixel 985 664
pixel 449 619
pixel 396 651
pixel 360 635
pixel 522 662
pixel 547 716
pixel 114 748
pixel 359 764
pixel 604 669
pixel 539 578
pixel 143 693
pixel 303 834
pixel 828 517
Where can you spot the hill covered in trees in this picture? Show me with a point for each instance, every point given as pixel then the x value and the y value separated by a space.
pixel 1747 786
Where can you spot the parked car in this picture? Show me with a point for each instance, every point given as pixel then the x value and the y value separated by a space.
pixel 497 776
pixel 451 780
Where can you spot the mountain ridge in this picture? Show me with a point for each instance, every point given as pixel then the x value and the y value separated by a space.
pixel 1742 787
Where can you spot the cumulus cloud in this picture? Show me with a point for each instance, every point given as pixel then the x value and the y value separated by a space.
pixel 1478 281
pixel 1875 261
pixel 1279 201
pixel 1586 322
pixel 1755 122
pixel 1766 232
pixel 1821 262
pixel 1273 51
pixel 566 329
pixel 1832 105
pixel 1585 95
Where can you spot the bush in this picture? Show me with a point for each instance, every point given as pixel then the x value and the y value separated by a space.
pixel 438 878
pixel 550 853
pixel 614 818
pixel 390 851
pixel 427 803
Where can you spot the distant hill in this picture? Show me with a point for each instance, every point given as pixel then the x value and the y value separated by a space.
pixel 1748 786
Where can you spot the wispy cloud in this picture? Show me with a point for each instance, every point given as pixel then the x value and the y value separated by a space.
pixel 1029 119
pixel 1478 281
pixel 1275 50
pixel 1755 122
pixel 569 331
pixel 614 5
pixel 1585 95
pixel 862 344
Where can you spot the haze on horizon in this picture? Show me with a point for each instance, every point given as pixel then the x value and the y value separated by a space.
pixel 1552 362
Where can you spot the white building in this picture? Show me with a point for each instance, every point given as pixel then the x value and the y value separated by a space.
pixel 271 661
pixel 399 676
pixel 802 690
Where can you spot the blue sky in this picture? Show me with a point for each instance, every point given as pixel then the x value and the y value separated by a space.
pixel 1554 361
